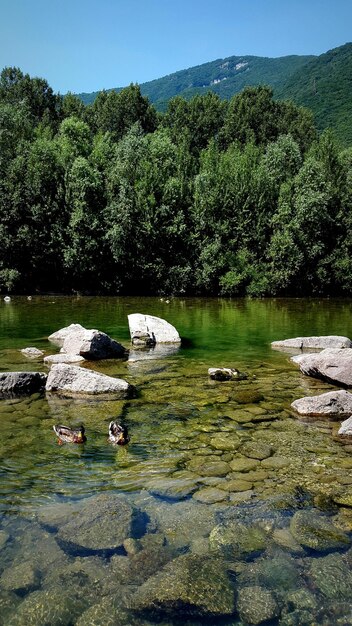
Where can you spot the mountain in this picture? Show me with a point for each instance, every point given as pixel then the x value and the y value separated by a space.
pixel 322 83
pixel 223 76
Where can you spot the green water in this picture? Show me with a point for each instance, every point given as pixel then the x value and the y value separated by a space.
pixel 191 474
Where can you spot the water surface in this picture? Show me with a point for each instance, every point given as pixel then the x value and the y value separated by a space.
pixel 218 473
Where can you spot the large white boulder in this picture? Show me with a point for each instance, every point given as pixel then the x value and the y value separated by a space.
pixel 92 344
pixel 333 365
pixel 346 428
pixel 157 329
pixel 60 335
pixel 330 404
pixel 73 379
pixel 313 343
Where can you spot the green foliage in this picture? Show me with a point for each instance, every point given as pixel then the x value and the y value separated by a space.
pixel 216 198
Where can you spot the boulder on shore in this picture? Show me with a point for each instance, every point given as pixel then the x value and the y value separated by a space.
pixel 148 328
pixel 60 335
pixel 313 343
pixel 345 429
pixel 92 345
pixel 21 382
pixel 333 365
pixel 331 404
pixel 73 379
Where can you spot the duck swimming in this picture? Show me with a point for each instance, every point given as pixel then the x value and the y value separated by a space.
pixel 118 434
pixel 70 435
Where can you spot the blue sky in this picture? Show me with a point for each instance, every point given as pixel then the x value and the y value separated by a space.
pixel 87 45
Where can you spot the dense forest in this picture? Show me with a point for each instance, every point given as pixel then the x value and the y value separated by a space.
pixel 213 197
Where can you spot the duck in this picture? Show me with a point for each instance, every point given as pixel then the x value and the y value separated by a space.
pixel 118 434
pixel 70 435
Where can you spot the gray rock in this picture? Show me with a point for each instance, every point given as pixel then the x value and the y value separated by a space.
pixel 332 577
pixel 209 495
pixel 21 382
pixel 332 365
pixel 226 373
pixel 93 345
pixel 314 343
pixel 21 578
pixel 256 605
pixel 331 404
pixel 46 608
pixel 190 585
pixel 60 335
pixel 237 541
pixel 317 532
pixel 8 604
pixel 63 358
pixel 32 352
pixel 72 379
pixel 103 523
pixel 157 329
pixel 346 428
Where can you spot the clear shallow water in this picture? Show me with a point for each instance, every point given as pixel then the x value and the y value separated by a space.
pixel 200 498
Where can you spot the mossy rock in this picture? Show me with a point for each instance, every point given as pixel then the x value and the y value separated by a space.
pixel 237 485
pixel 256 450
pixel 332 577
pixel 275 462
pixel 247 397
pixel 225 441
pixel 237 541
pixel 344 499
pixel 21 578
pixel 256 605
pixel 44 608
pixel 189 586
pixel 317 532
pixel 209 495
pixel 209 467
pixel 172 488
pixel 243 464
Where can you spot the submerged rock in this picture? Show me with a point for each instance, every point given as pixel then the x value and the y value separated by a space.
pixel 72 379
pixel 189 586
pixel 44 608
pixel 333 365
pixel 332 577
pixel 314 343
pixel 331 404
pixel 317 532
pixel 256 605
pixel 153 329
pixel 21 382
pixel 102 523
pixel 21 578
pixel 226 373
pixel 237 541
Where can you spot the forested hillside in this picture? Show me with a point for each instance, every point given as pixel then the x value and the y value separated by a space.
pixel 212 197
pixel 225 77
pixel 323 84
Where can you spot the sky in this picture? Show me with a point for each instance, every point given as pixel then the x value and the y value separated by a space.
pixel 88 45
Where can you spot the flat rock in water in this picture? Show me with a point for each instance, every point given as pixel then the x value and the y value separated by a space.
pixel 256 605
pixel 159 330
pixel 103 523
pixel 72 379
pixel 63 358
pixel 21 382
pixel 93 345
pixel 333 365
pixel 33 353
pixel 330 404
pixel 314 343
pixel 60 335
pixel 190 585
